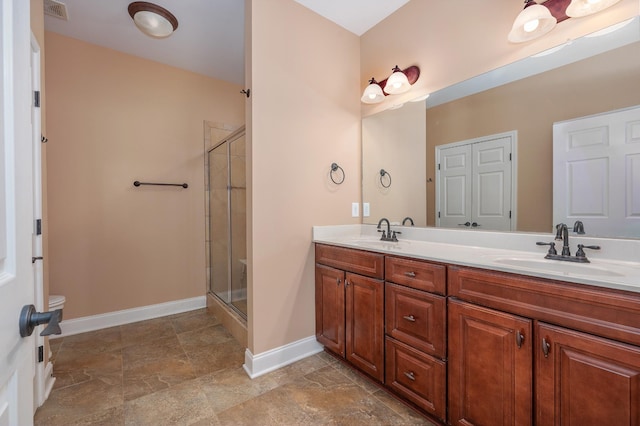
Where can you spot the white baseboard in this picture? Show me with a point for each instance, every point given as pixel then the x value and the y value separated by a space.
pixel 126 316
pixel 257 365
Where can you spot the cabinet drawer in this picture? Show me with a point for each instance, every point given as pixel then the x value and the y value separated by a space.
pixel 416 274
pixel 417 377
pixel 416 318
pixel 357 261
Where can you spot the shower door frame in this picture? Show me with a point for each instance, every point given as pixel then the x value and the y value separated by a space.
pixel 231 137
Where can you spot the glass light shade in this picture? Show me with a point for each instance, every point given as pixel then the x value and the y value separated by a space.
pixel 534 21
pixel 372 94
pixel 397 83
pixel 153 24
pixel 580 8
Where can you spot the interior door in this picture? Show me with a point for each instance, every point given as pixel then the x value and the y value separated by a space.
pixel 596 164
pixel 455 186
pixel 16 203
pixel 475 184
pixel 491 194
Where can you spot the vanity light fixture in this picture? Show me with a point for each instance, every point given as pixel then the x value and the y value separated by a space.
pixel 398 82
pixel 580 8
pixel 373 93
pixel 153 20
pixel 534 21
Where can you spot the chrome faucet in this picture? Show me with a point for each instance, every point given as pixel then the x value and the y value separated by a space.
pixel 387 235
pixel 407 219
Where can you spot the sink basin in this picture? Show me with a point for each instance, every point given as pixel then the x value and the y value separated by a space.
pixel 584 269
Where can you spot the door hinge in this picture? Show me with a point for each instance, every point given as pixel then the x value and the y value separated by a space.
pixel 438 166
pixel 36 98
pixel 40 353
pixel 38 226
pixel 510 158
pixel 509 214
pixel 438 215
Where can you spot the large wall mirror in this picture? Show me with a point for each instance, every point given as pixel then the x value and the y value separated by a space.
pixel 588 76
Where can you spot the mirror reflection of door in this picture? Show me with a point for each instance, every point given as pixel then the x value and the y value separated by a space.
pixel 474 183
pixel 596 173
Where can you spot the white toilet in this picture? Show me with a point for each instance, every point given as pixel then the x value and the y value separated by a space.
pixel 56 302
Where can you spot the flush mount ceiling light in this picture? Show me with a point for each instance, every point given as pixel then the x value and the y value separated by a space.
pixel 153 20
pixel 580 8
pixel 534 21
pixel 373 93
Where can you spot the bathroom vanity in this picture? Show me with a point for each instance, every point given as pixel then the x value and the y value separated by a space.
pixel 481 334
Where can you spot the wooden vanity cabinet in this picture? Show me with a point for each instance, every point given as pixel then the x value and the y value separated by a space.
pixel 350 306
pixel 415 324
pixel 582 376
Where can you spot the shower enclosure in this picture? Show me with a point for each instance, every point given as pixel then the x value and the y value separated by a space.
pixel 227 239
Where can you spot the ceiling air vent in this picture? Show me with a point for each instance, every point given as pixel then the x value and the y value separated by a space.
pixel 56 9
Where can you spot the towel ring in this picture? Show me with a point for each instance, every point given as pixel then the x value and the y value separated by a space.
pixel 384 173
pixel 334 168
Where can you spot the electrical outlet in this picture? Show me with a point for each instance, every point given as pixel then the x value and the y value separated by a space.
pixel 355 209
pixel 365 209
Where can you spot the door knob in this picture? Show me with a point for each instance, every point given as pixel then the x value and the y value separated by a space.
pixel 30 319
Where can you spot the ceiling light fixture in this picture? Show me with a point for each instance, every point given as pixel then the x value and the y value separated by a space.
pixel 399 81
pixel 153 20
pixel 580 8
pixel 534 21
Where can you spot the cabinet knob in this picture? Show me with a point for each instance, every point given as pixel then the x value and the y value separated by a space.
pixel 519 338
pixel 338 281
pixel 546 346
pixel 410 318
pixel 410 375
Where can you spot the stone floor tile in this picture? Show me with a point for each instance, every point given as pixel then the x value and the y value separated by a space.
pixel 105 340
pixel 193 320
pixel 227 388
pixel 144 331
pixel 71 368
pixel 155 374
pixel 202 339
pixel 224 355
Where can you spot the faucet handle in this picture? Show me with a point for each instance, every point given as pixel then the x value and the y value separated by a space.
pixel 552 247
pixel 580 252
pixel 384 235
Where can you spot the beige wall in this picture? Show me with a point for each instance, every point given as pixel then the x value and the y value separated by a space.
pixel 452 41
pixel 531 106
pixel 305 102
pixel 113 119
pixel 394 141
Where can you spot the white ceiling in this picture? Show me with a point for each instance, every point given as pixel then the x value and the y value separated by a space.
pixel 210 35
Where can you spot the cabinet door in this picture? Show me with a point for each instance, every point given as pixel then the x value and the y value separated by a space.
pixel 585 380
pixel 330 308
pixel 365 324
pixel 490 367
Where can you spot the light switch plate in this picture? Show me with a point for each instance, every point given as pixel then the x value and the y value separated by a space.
pixel 355 209
pixel 365 209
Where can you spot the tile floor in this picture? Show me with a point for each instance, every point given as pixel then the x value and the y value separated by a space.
pixel 186 369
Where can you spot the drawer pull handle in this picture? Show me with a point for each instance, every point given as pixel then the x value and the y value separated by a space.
pixel 410 375
pixel 519 338
pixel 410 318
pixel 410 274
pixel 545 347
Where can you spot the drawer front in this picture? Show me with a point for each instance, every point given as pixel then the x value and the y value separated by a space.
pixel 417 377
pixel 416 318
pixel 417 274
pixel 356 261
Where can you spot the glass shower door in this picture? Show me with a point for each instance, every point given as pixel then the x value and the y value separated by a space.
pixel 227 222
pixel 218 222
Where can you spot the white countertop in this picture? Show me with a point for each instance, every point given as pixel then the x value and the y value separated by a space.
pixel 616 265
